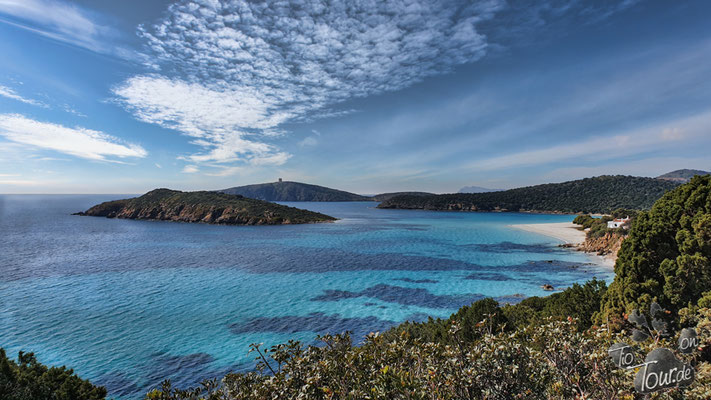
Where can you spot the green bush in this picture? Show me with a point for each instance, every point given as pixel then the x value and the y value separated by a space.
pixel 666 255
pixel 27 379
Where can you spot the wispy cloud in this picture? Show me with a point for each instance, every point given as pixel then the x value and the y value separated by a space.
pixel 234 71
pixel 66 23
pixel 311 140
pixel 19 182
pixel 11 94
pixel 71 110
pixel 78 142
pixel 190 169
pixel 605 147
pixel 222 121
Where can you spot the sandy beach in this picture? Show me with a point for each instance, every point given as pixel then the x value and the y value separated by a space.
pixel 564 231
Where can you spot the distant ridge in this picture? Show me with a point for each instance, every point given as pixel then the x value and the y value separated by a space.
pixel 293 191
pixel 600 194
pixel 682 175
pixel 478 189
pixel 387 196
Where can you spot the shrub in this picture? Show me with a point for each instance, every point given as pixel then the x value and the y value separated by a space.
pixel 666 255
pixel 27 379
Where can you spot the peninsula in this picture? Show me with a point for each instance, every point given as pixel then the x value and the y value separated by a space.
pixel 597 195
pixel 204 207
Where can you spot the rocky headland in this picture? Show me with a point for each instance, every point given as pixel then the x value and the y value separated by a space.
pixel 204 207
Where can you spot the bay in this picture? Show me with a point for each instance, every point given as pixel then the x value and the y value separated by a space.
pixel 130 303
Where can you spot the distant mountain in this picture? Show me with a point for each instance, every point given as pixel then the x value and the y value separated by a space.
pixel 293 191
pixel 600 194
pixel 204 207
pixel 682 175
pixel 477 189
pixel 387 196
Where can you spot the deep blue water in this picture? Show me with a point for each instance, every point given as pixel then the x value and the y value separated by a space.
pixel 129 303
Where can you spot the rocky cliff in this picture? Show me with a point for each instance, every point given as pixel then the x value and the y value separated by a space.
pixel 204 207
pixel 606 245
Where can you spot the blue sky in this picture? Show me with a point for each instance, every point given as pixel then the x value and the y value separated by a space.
pixel 365 96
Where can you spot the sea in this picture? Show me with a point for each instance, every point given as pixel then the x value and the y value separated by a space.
pixel 128 303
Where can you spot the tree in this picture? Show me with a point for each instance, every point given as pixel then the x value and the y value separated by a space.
pixel 666 255
pixel 30 380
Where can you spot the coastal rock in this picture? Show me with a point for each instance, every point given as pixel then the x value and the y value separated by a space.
pixel 204 207
pixel 607 245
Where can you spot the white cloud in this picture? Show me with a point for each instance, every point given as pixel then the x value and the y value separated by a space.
pixel 79 142
pixel 226 171
pixel 190 169
pixel 11 94
pixel 220 120
pixel 311 140
pixel 604 147
pixel 235 70
pixel 20 182
pixel 67 23
pixel 71 110
pixel 308 141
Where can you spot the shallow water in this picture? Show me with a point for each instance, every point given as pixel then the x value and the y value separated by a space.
pixel 129 303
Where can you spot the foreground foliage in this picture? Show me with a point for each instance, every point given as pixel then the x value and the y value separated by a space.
pixel 27 379
pixel 552 360
pixel 667 255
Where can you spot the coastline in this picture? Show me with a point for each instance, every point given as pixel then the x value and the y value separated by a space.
pixel 569 234
pixel 566 232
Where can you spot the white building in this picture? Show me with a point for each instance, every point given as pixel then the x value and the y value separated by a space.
pixel 619 223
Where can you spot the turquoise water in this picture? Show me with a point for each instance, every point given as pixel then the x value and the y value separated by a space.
pixel 129 303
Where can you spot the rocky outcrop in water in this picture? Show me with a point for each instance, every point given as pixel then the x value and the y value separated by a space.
pixel 204 207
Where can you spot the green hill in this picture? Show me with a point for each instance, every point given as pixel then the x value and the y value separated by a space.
pixel 682 175
pixel 388 196
pixel 293 191
pixel 204 207
pixel 600 194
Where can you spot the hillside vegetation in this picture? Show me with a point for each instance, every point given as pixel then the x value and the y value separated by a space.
pixel 204 207
pixel 601 194
pixel 666 256
pixel 388 196
pixel 27 379
pixel 293 191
